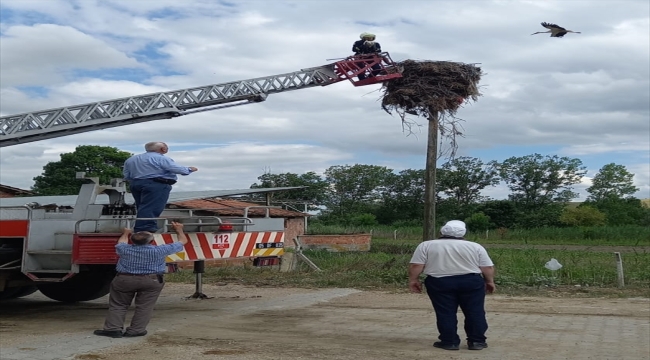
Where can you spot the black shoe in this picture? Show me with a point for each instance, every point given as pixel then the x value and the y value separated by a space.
pixel 441 345
pixel 113 334
pixel 474 345
pixel 126 334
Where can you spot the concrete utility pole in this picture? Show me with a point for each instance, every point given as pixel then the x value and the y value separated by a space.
pixel 430 179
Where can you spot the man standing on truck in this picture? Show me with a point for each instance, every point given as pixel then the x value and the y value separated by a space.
pixel 151 176
pixel 140 271
pixel 454 267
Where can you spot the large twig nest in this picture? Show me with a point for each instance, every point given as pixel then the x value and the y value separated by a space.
pixel 428 87
pixel 440 86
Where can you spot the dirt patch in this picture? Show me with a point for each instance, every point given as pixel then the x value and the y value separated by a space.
pixel 89 357
pixel 223 352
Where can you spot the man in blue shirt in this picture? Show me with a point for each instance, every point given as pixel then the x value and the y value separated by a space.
pixel 140 271
pixel 151 176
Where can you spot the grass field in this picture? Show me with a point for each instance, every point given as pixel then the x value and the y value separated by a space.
pixel 519 271
pixel 519 257
pixel 602 235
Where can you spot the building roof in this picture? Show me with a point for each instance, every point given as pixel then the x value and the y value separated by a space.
pixel 226 207
pixel 13 190
pixel 174 196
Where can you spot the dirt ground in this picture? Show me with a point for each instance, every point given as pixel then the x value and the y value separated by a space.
pixel 242 323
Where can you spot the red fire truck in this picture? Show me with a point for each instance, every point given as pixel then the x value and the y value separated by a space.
pixel 67 251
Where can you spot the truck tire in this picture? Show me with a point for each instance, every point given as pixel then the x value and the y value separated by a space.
pixel 17 292
pixel 84 286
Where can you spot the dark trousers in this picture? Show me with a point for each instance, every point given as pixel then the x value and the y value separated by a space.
pixel 376 69
pixel 145 289
pixel 466 291
pixel 150 200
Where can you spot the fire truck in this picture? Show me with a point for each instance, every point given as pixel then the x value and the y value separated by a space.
pixel 66 249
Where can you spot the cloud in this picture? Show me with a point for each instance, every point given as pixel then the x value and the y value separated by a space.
pixel 589 149
pixel 226 166
pixel 37 55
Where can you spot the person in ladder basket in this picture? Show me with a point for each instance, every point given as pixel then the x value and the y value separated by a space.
pixel 367 46
pixel 140 271
pixel 151 176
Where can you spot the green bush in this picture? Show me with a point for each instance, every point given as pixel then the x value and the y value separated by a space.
pixel 583 216
pixel 478 222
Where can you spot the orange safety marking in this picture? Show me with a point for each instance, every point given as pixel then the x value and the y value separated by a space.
pixel 14 228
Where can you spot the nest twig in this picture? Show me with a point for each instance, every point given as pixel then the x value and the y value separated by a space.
pixel 433 88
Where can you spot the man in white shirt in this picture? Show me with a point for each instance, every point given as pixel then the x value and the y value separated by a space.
pixel 453 267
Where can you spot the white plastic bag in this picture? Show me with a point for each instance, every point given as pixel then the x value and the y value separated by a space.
pixel 553 265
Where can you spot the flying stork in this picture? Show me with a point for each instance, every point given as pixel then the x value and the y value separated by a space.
pixel 555 30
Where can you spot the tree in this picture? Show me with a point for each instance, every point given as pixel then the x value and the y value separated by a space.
pixel 628 211
pixel 313 193
pixel 58 177
pixel 612 182
pixel 583 216
pixel 465 177
pixel 402 197
pixel 502 213
pixel 354 189
pixel 536 181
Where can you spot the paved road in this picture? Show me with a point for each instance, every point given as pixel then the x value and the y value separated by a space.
pixel 245 323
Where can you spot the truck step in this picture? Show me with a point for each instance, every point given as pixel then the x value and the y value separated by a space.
pixel 49 252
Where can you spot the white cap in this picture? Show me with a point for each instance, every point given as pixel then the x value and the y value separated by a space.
pixel 455 228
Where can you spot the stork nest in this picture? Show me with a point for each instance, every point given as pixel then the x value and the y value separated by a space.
pixel 431 86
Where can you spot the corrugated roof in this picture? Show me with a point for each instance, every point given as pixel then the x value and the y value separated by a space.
pixel 225 207
pixel 174 196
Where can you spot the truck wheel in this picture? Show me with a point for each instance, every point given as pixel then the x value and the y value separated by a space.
pixel 13 293
pixel 84 286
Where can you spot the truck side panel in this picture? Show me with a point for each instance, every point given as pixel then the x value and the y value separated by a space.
pixel 97 248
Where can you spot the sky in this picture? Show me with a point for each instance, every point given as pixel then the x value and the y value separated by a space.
pixel 583 96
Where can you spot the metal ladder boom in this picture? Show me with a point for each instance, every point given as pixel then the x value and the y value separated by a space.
pixel 47 124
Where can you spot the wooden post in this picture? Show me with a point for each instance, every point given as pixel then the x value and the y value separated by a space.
pixel 304 225
pixel 430 179
pixel 619 269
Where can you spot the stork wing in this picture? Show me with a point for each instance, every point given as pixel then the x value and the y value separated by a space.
pixel 552 26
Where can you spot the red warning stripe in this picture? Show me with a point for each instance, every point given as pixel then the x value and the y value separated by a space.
pixel 238 241
pixel 278 237
pixel 189 249
pixel 167 238
pixel 251 244
pixel 205 246
pixel 266 237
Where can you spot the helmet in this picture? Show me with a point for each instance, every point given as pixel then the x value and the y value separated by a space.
pixel 367 35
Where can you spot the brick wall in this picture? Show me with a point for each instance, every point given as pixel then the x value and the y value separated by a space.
pixel 336 243
pixel 293 227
